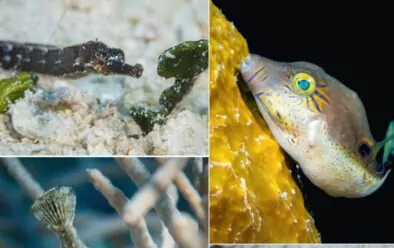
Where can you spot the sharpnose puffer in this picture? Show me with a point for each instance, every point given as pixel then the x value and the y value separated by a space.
pixel 319 122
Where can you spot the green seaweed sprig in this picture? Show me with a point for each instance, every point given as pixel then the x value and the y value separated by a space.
pixel 11 89
pixel 184 62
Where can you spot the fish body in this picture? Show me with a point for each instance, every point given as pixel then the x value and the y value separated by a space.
pixel 319 122
pixel 92 57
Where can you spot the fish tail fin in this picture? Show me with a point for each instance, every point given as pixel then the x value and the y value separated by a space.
pixel 388 144
pixel 55 208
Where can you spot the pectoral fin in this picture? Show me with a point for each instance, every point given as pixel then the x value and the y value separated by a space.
pixel 315 129
pixel 388 143
pixel 389 140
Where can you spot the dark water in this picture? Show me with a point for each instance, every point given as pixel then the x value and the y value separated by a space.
pixel 353 45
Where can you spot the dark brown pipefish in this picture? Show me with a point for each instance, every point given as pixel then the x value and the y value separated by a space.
pixel 92 57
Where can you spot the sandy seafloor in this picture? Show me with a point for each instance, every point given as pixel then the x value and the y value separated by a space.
pixel 143 29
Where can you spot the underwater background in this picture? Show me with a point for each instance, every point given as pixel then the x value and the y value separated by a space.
pixel 96 221
pixel 349 48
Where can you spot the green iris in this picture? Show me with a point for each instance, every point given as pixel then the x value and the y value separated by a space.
pixel 304 84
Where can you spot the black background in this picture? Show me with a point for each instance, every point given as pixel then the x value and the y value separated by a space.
pixel 354 45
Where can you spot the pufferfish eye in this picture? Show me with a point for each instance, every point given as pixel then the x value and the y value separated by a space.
pixel 303 84
pixel 365 148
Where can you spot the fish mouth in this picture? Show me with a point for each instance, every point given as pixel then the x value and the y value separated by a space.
pixel 386 163
pixel 261 74
pixel 245 65
pixel 261 99
pixel 253 69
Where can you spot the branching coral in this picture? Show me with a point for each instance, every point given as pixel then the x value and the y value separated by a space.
pixel 177 228
pixel 180 226
pixel 184 62
pixel 189 192
pixel 22 176
pixel 116 198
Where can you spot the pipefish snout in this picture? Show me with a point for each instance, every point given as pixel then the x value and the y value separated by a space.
pixel 320 123
pixel 92 57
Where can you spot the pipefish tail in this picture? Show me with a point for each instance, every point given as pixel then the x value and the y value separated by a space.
pixel 92 57
pixel 320 123
pixel 56 210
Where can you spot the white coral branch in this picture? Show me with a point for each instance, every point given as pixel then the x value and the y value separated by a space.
pixel 23 177
pixel 149 194
pixel 189 192
pixel 138 230
pixel 167 239
pixel 192 196
pixel 183 229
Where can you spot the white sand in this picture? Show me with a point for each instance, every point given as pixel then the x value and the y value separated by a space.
pixel 72 122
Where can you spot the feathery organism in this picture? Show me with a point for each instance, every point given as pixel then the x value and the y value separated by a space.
pixel 321 124
pixel 56 210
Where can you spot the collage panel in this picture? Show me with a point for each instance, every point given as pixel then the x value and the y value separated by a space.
pixel 306 246
pixel 99 77
pixel 301 144
pixel 104 202
pixel 194 124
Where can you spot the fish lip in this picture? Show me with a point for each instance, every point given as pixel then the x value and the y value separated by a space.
pixel 252 65
pixel 246 63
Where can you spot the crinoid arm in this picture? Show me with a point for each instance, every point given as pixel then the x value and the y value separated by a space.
pixel 56 208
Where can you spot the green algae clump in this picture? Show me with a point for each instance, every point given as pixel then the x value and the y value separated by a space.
pixel 11 89
pixel 184 62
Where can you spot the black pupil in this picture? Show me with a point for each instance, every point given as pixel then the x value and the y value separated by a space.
pixel 364 149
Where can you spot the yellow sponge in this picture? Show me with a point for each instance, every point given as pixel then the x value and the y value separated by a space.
pixel 253 198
